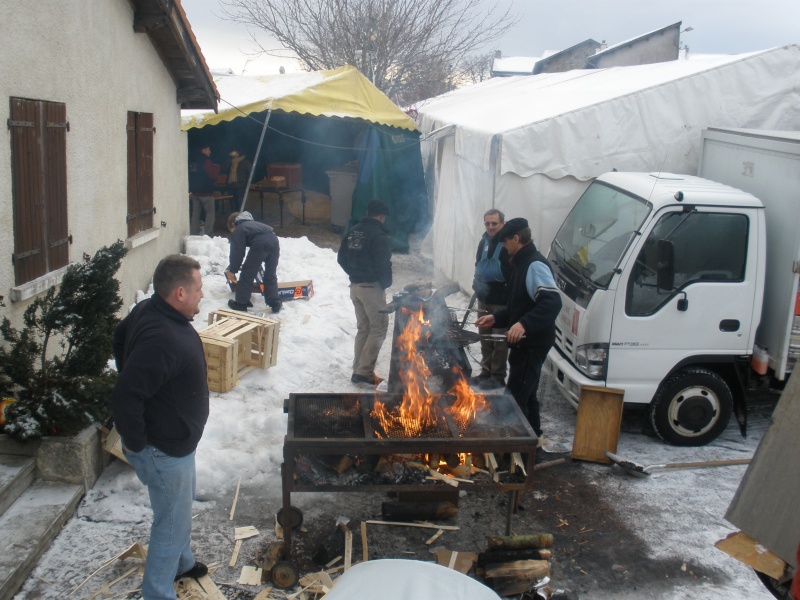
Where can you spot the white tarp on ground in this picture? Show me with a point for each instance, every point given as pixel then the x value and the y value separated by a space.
pixel 530 145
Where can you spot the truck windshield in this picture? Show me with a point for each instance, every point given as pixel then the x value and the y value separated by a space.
pixel 591 241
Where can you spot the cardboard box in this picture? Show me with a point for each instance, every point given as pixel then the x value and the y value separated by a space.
pixel 235 343
pixel 295 290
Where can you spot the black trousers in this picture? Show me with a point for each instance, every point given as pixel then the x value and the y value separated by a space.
pixel 524 370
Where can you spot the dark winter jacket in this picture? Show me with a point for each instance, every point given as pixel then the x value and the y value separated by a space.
pixel 161 396
pixel 365 254
pixel 203 175
pixel 533 299
pixel 254 235
pixel 492 271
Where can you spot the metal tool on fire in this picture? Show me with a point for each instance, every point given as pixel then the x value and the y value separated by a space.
pixel 639 470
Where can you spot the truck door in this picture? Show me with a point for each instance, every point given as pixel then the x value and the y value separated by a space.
pixel 685 291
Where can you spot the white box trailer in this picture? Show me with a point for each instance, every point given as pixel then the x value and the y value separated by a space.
pixel 670 282
pixel 767 165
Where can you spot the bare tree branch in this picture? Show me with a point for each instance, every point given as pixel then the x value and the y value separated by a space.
pixel 410 49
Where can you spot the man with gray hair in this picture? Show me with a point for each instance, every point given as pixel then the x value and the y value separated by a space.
pixel 492 272
pixel 160 408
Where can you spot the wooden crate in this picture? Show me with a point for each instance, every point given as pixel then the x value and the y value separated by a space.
pixel 236 343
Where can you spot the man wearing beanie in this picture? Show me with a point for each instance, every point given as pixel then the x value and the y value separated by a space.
pixel 533 305
pixel 367 259
pixel 263 250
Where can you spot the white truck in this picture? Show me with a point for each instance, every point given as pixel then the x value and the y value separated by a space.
pixel 669 283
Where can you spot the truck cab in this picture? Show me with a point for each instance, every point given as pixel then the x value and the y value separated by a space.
pixel 661 279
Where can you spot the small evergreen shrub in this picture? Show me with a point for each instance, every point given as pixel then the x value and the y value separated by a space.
pixel 57 364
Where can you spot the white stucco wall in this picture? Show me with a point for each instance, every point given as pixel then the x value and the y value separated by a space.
pixel 85 54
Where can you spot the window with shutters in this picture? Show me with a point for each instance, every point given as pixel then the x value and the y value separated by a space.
pixel 140 172
pixel 39 187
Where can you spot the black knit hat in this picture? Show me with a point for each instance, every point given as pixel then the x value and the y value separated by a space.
pixel 511 228
pixel 375 208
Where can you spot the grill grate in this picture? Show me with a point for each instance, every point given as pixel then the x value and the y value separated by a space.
pixel 335 416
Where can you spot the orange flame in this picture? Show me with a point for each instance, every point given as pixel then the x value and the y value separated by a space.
pixel 419 409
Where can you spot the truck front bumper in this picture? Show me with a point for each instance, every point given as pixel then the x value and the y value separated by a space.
pixel 567 378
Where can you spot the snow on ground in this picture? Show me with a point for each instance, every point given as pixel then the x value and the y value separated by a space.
pixel 678 514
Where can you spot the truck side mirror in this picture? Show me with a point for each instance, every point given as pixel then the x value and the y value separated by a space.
pixel 665 267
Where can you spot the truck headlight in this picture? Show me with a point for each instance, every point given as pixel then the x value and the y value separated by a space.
pixel 592 360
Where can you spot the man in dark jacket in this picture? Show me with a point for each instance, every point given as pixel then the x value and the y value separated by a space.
pixel 203 175
pixel 365 256
pixel 160 407
pixel 492 272
pixel 533 305
pixel 264 248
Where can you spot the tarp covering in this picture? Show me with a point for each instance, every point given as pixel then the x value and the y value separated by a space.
pixel 322 120
pixel 342 92
pixel 530 145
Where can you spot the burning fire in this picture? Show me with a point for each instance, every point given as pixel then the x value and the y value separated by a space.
pixel 419 409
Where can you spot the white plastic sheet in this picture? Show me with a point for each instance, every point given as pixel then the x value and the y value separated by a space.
pixel 395 579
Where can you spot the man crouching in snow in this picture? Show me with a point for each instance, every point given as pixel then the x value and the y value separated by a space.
pixel 264 248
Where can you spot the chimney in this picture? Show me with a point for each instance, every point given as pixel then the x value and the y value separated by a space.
pixel 498 54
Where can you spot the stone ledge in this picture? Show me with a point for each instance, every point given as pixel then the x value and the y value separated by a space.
pixel 78 459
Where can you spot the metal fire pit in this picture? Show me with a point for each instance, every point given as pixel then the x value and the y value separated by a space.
pixel 321 425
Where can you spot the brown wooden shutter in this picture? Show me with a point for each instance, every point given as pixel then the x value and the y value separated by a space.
pixel 39 187
pixel 140 172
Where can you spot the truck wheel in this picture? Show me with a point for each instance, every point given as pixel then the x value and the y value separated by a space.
pixel 692 407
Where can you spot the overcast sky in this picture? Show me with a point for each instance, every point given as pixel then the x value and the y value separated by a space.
pixel 720 26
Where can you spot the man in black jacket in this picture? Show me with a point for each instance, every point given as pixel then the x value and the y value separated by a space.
pixel 160 408
pixel 264 249
pixel 533 305
pixel 366 257
pixel 492 272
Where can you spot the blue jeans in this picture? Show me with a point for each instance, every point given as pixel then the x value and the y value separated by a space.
pixel 170 482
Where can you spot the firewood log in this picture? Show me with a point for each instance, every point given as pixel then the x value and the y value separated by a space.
pixel 418 511
pixel 532 569
pixel 500 556
pixel 512 586
pixel 519 542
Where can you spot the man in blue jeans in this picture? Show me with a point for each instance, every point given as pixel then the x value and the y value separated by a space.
pixel 160 407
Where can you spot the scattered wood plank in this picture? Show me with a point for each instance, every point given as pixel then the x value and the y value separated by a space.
pixel 235 555
pixel 242 533
pixel 348 549
pixel 435 537
pixel 742 547
pixel 458 561
pixel 250 576
pixel 333 562
pixel 435 475
pixel 136 550
pixel 196 589
pixel 549 463
pixel 423 525
pixel 235 499
pixel 364 547
pixel 516 459
pixel 264 594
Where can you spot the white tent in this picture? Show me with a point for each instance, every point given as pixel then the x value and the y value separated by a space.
pixel 530 145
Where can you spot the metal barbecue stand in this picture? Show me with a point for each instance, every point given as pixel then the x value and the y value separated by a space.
pixel 322 425
pixel 333 425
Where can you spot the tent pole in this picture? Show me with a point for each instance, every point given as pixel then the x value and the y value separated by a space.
pixel 255 158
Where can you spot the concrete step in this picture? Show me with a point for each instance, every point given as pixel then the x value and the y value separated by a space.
pixel 28 528
pixel 16 474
